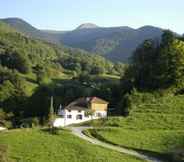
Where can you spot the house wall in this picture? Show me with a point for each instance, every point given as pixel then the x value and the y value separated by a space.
pixel 63 120
pixel 99 107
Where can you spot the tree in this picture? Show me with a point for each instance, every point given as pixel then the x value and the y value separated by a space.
pixel 157 66
pixel 124 106
pixel 143 65
pixel 51 113
pixel 120 68
pixel 171 63
pixel 40 74
pixel 89 113
pixel 15 59
pixel 97 70
pixel 39 103
pixel 167 38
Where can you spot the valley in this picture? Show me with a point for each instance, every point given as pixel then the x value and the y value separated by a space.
pixel 136 73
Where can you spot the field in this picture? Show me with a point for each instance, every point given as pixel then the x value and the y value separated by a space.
pixel 35 145
pixel 155 127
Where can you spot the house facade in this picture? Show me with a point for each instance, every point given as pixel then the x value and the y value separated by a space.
pixel 81 110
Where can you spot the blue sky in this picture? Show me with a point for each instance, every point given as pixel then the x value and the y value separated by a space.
pixel 68 14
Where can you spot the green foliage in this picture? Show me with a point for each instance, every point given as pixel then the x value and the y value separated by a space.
pixel 29 122
pixel 172 63
pixel 7 89
pixel 15 59
pixel 41 75
pixel 40 146
pixel 39 103
pixel 89 113
pixel 120 68
pixel 30 68
pixel 84 62
pixel 154 125
pixel 157 66
pixel 5 119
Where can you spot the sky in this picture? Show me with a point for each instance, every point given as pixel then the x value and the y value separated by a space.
pixel 68 14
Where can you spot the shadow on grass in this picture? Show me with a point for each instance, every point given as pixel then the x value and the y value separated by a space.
pixel 54 131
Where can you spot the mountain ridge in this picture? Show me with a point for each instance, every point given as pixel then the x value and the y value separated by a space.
pixel 114 43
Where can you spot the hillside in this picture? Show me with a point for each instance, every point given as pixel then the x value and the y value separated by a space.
pixel 31 70
pixel 153 101
pixel 155 126
pixel 24 27
pixel 115 43
pixel 36 145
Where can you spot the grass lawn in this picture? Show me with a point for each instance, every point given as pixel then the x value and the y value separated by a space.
pixel 34 145
pixel 161 141
pixel 156 126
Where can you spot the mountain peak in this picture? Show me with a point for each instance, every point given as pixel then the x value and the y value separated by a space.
pixel 13 20
pixel 87 26
pixel 18 23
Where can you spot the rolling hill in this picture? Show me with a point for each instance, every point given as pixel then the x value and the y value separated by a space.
pixel 114 43
pixel 24 27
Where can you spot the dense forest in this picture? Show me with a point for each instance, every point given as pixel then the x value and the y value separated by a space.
pixel 156 70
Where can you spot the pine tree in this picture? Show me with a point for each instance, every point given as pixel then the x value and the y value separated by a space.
pixel 51 113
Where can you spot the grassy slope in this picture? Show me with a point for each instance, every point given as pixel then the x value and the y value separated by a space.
pixel 33 145
pixel 157 127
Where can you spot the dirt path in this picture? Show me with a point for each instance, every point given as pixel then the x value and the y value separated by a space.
pixel 78 131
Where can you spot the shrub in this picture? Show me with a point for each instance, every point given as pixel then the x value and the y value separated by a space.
pixel 29 122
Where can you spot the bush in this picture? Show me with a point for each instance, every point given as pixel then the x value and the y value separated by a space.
pixel 29 123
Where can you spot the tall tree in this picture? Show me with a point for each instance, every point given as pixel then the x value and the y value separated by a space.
pixel 157 66
pixel 51 112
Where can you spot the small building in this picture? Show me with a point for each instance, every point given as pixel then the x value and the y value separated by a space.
pixel 81 110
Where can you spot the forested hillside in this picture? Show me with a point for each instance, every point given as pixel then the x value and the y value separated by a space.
pixel 24 27
pixel 117 44
pixel 31 71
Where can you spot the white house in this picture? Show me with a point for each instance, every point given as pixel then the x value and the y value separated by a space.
pixel 81 110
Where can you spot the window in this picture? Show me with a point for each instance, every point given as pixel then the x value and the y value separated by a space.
pixel 69 116
pixel 79 117
pixel 79 111
pixel 69 110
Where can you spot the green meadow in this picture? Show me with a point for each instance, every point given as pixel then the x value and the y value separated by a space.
pixel 35 145
pixel 155 127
